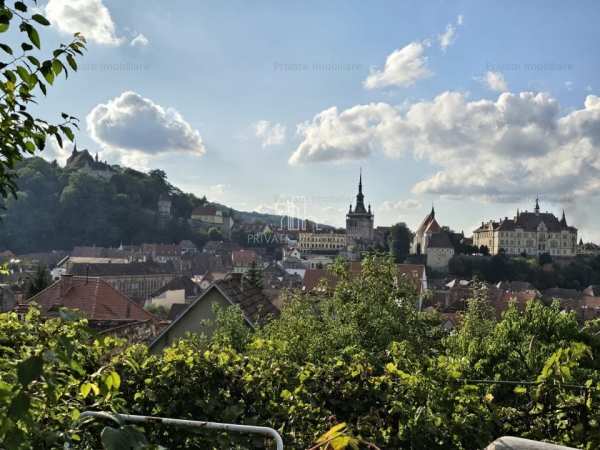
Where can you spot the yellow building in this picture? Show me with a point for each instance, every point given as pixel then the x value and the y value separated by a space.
pixel 324 242
pixel 532 233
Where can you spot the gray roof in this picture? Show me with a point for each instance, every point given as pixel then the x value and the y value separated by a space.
pixel 255 306
pixel 121 269
pixel 440 240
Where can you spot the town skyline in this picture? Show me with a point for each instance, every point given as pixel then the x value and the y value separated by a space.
pixel 425 98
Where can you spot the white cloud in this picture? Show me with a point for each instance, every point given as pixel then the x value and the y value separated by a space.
pixel 352 134
pixel 460 19
pixel 494 81
pixel 569 85
pixel 269 133
pixel 400 205
pixel 89 17
pixel 53 151
pixel 135 129
pixel 588 88
pixel 508 149
pixel 139 41
pixel 447 38
pixel 403 67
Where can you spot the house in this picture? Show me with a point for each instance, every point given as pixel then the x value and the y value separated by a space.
pixel 134 280
pixel 439 251
pixel 204 281
pixel 100 303
pixel 317 261
pixel 200 315
pixel 243 260
pixel 187 246
pixel 293 266
pixel 179 290
pixel 207 217
pixel 291 252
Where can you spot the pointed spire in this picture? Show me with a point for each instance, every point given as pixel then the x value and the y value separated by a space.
pixel 537 205
pixel 360 182
pixel 432 210
pixel 563 220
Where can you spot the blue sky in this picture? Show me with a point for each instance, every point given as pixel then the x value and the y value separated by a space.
pixel 476 122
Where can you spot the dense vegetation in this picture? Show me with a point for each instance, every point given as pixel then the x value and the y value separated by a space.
pixel 362 356
pixel 58 208
pixel 578 273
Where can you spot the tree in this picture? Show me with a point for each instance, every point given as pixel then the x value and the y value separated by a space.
pixel 400 239
pixel 39 281
pixel 254 276
pixel 24 76
pixel 214 234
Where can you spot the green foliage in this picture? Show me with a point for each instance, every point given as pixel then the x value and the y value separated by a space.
pixel 24 76
pixel 577 274
pixel 361 358
pixel 39 281
pixel 47 370
pixel 399 241
pixel 254 276
pixel 73 207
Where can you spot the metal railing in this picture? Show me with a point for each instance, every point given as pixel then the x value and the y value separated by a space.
pixel 232 427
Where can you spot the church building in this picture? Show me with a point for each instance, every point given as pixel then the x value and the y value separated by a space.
pixel 359 222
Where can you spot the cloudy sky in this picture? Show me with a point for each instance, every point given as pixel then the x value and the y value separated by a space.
pixel 476 107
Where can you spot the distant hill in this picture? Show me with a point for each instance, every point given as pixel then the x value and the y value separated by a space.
pixel 89 202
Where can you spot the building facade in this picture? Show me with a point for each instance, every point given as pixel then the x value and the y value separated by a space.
pixel 532 233
pixel 207 217
pixel 327 242
pixel 428 227
pixel 359 222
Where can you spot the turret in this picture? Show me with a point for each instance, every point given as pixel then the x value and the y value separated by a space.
pixel 537 205
pixel 563 220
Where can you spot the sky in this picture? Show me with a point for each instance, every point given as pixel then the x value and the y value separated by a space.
pixel 476 107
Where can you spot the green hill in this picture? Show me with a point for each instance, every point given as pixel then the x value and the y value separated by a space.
pixel 89 202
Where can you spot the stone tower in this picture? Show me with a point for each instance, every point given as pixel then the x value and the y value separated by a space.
pixel 359 223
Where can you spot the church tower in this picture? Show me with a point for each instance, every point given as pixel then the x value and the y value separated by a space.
pixel 359 223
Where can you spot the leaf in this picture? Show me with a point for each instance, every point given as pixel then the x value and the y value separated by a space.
pixel 72 62
pixel 47 72
pixel 24 74
pixel 57 67
pixel 68 132
pixel 19 405
pixel 6 48
pixel 285 394
pixel 20 6
pixel 40 19
pixel 126 438
pixel 34 37
pixel 116 380
pixel 520 390
pixel 30 369
pixel 85 389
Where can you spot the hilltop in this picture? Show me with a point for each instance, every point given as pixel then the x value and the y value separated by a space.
pixel 90 202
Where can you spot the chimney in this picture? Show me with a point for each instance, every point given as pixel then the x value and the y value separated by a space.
pixel 66 283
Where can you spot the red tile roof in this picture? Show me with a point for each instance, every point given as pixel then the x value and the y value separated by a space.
pixel 94 298
pixel 243 257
